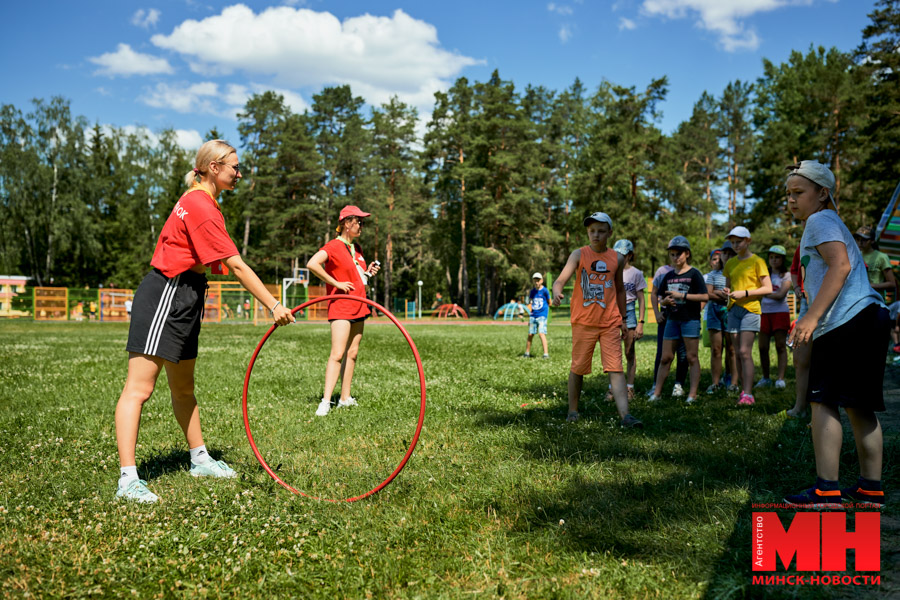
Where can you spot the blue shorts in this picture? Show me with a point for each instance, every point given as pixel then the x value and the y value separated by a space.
pixel 676 330
pixel 630 316
pixel 537 325
pixel 741 319
pixel 716 316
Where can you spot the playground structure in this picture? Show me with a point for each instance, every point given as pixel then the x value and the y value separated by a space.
pixel 229 302
pixel 887 234
pixel 511 311
pixel 11 286
pixel 446 311
pixel 50 304
pixel 113 305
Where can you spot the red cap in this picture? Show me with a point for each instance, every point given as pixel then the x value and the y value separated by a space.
pixel 352 211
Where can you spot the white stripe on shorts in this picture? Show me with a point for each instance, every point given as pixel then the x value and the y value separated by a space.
pixel 159 318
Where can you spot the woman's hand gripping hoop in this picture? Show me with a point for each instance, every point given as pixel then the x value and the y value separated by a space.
pixel 421 421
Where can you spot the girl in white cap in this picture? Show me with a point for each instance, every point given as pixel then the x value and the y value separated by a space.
pixel 747 280
pixel 850 326
pixel 776 318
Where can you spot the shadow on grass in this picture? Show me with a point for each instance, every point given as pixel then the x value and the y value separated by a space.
pixel 678 493
pixel 173 460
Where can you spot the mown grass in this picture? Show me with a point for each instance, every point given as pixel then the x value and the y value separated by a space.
pixel 502 498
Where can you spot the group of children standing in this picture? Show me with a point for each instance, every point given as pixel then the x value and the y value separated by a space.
pixel 745 296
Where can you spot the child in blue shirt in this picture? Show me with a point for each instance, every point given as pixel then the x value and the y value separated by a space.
pixel 539 307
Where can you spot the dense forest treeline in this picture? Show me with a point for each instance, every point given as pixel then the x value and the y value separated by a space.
pixel 495 190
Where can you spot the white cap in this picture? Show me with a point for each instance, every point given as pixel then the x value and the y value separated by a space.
pixel 599 217
pixel 739 231
pixel 817 173
pixel 537 276
pixel 623 247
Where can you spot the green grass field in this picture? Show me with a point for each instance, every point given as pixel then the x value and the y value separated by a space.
pixel 502 498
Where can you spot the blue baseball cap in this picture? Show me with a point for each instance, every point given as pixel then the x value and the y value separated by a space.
pixel 679 241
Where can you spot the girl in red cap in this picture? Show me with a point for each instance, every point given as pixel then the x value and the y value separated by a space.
pixel 340 264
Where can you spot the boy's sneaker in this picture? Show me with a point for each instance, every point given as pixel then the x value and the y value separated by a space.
pixel 136 490
pixel 324 408
pixel 780 384
pixel 690 400
pixel 816 499
pixel 631 422
pixel 677 391
pixel 746 399
pixel 734 388
pixel 212 468
pixel 526 355
pixel 573 416
pixel 651 397
pixel 351 401
pixel 546 356
pixel 764 382
pixel 714 388
pixel 865 499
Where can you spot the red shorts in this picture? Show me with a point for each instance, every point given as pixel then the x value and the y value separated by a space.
pixel 772 322
pixel 584 340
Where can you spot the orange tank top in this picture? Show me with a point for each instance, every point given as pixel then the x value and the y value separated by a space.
pixel 594 301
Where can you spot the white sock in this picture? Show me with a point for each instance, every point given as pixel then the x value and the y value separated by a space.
pixel 199 455
pixel 631 385
pixel 126 474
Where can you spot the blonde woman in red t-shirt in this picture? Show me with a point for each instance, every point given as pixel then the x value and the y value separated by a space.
pixel 340 264
pixel 168 307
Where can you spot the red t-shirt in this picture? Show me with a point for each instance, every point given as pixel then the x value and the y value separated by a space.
pixel 193 234
pixel 340 265
pixel 796 274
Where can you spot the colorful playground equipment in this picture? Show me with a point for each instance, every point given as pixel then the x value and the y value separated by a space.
pixel 511 311
pixel 445 311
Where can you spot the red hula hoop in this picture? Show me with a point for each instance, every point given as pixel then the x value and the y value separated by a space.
pixel 421 421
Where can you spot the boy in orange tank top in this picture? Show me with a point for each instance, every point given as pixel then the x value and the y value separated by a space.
pixel 598 304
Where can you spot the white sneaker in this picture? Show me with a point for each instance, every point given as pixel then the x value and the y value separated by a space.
pixel 324 408
pixel 677 391
pixel 136 490
pixel 351 401
pixel 651 397
pixel 779 384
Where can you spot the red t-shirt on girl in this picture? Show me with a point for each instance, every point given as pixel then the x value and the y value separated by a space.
pixel 340 265
pixel 193 234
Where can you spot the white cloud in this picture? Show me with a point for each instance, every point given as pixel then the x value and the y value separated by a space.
pixel 565 33
pixel 145 18
pixel 723 17
pixel 199 97
pixel 560 9
pixel 125 61
pixel 208 97
pixel 377 56
pixel 626 24
pixel 188 139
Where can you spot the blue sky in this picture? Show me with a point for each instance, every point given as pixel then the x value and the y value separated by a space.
pixel 190 64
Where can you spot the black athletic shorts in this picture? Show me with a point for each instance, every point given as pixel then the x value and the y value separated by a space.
pixel 166 314
pixel 847 364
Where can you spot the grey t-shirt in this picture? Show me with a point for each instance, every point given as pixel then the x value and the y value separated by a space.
pixel 857 293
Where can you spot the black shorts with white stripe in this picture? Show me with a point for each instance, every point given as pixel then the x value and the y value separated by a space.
pixel 166 314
